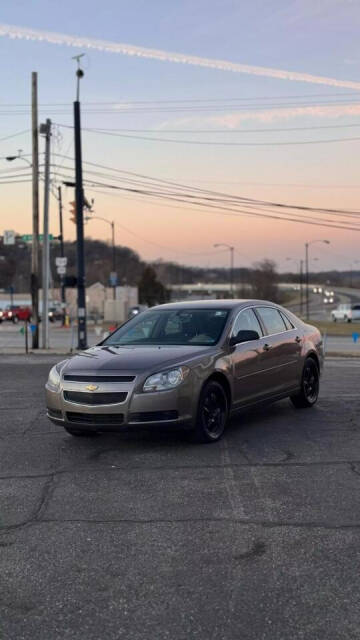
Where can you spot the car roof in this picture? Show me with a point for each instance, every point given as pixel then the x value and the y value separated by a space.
pixel 212 304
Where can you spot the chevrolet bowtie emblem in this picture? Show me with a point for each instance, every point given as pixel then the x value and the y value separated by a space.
pixel 91 387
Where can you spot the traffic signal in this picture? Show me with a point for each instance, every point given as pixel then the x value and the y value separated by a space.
pixel 73 212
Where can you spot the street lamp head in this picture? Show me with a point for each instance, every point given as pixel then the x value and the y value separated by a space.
pixel 326 241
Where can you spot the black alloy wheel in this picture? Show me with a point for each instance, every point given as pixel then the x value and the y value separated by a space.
pixel 213 413
pixel 310 386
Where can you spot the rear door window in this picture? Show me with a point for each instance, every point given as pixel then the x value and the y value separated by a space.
pixel 289 325
pixel 272 320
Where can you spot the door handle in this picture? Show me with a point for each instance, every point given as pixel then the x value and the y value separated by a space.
pixel 267 347
pixel 298 339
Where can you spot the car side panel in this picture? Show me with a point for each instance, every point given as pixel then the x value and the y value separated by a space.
pixel 249 379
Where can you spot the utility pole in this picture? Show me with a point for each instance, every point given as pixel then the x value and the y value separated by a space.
pixel 34 284
pixel 46 129
pixel 79 197
pixel 63 297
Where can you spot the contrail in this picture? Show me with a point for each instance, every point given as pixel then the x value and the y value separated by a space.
pixel 23 33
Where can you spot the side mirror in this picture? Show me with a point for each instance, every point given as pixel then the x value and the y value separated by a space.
pixel 244 335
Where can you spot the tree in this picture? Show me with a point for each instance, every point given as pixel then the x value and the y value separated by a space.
pixel 263 280
pixel 151 290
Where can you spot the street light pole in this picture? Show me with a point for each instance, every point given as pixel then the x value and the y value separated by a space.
pixel 113 255
pixel 113 247
pixel 300 265
pixel 301 278
pixel 231 272
pixel 307 298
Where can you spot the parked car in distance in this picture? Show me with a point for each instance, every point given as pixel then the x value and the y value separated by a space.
pixel 346 312
pixel 55 313
pixel 15 313
pixel 191 364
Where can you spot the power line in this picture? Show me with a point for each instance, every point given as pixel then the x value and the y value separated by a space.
pixel 15 135
pixel 184 100
pixel 224 144
pixel 216 194
pixel 119 109
pixel 215 131
pixel 237 212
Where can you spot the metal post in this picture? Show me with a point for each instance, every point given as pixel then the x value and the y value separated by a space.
pixel 79 197
pixel 232 271
pixel 301 276
pixel 46 244
pixel 62 278
pixel 34 285
pixel 113 255
pixel 307 279
pixel 26 325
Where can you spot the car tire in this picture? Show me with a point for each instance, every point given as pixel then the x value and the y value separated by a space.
pixel 86 433
pixel 310 385
pixel 15 319
pixel 212 414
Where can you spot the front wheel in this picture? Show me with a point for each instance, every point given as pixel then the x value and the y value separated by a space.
pixel 310 385
pixel 81 432
pixel 15 319
pixel 213 412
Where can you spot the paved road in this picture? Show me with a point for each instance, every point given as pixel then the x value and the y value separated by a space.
pixel 144 536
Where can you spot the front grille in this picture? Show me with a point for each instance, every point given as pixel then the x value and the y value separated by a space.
pixel 153 416
pixel 81 378
pixel 95 418
pixel 95 398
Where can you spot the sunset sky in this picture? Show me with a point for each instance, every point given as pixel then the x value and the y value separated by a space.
pixel 179 106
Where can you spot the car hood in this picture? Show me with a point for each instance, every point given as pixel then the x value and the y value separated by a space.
pixel 132 358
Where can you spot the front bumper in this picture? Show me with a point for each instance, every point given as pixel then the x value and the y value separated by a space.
pixel 176 407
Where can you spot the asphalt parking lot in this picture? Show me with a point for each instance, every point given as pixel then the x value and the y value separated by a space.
pixel 144 535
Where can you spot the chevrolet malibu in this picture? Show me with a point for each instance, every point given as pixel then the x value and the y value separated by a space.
pixel 191 364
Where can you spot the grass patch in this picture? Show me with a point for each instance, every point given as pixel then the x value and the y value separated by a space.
pixel 337 328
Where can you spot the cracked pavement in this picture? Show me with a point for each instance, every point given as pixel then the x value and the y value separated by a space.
pixel 144 535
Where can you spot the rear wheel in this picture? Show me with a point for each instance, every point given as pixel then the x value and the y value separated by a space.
pixel 310 385
pixel 81 432
pixel 213 412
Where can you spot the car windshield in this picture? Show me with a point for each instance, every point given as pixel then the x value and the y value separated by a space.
pixel 172 327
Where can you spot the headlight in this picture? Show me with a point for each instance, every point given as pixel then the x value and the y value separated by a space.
pixel 54 375
pixel 166 379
